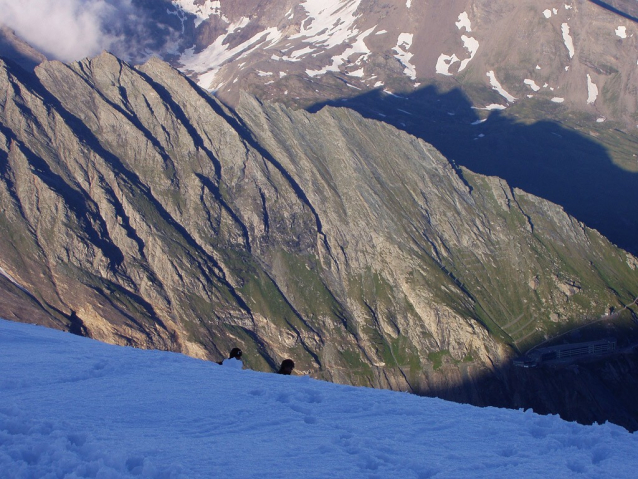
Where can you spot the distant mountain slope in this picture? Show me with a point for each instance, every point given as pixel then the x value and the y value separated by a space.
pixel 138 210
pixel 578 53
pixel 542 95
pixel 522 62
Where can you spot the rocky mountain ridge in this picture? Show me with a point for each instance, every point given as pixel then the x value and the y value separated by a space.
pixel 139 210
pixel 542 95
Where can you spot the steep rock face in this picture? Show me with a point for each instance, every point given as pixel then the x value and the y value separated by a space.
pixel 138 210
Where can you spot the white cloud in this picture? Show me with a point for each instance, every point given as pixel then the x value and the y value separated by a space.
pixel 64 29
pixel 70 30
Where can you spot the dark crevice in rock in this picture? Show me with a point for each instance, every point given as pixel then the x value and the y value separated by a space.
pixel 6 174
pixel 264 209
pixel 290 305
pixel 244 132
pixel 147 308
pixel 179 113
pixel 132 119
pixel 520 208
pixel 77 326
pixel 138 189
pixel 78 202
pixel 214 190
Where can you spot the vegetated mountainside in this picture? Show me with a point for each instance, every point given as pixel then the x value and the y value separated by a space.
pixel 138 210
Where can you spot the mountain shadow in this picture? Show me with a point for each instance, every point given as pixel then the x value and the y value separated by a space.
pixel 542 158
pixel 625 8
pixel 587 389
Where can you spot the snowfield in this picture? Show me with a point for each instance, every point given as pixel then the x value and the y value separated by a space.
pixel 73 407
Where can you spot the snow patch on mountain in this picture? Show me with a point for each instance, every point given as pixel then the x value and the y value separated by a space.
pixel 490 107
pixel 532 84
pixel 592 91
pixel 497 86
pixel 206 64
pixel 444 63
pixel 621 32
pixel 404 42
pixel 298 54
pixel 547 13
pixel 558 99
pixel 329 23
pixel 472 45
pixel 464 22
pixel 201 11
pixel 358 47
pixel 569 42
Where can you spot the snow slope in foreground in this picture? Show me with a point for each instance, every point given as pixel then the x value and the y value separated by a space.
pixel 70 406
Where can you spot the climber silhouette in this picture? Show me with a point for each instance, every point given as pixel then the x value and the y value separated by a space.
pixel 287 366
pixel 234 359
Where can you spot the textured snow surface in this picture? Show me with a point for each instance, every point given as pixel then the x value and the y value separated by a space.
pixel 73 407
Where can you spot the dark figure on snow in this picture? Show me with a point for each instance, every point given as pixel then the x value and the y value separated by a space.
pixel 235 353
pixel 286 367
pixel 234 358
